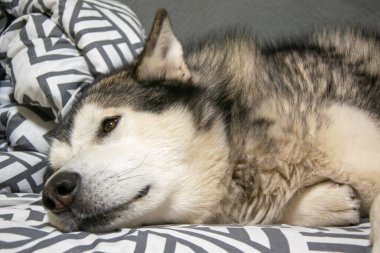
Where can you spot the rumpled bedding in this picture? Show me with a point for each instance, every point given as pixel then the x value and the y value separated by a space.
pixel 49 51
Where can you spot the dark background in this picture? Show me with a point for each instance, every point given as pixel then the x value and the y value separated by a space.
pixel 268 19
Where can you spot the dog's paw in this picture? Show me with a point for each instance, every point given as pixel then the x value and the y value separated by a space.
pixel 325 204
pixel 343 205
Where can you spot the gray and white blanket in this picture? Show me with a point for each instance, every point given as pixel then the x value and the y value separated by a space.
pixel 49 51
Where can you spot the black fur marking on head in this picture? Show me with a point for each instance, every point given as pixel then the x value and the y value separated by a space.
pixel 63 131
pixel 153 96
pixel 157 96
pixel 160 95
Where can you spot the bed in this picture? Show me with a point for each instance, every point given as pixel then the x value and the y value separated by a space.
pixel 50 50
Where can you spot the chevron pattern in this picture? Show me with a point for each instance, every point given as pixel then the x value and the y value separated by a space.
pixel 110 22
pixel 51 50
pixel 24 228
pixel 21 171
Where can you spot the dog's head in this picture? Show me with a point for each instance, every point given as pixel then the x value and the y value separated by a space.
pixel 144 146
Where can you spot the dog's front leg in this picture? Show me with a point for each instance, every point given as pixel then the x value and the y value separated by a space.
pixel 323 204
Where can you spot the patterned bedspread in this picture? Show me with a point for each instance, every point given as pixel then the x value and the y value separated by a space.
pixel 49 51
pixel 24 228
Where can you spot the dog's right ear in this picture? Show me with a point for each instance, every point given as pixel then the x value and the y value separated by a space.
pixel 162 57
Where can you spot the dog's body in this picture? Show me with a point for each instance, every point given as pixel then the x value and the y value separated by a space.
pixel 225 133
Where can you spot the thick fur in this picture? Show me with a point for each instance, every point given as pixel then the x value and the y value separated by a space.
pixel 225 131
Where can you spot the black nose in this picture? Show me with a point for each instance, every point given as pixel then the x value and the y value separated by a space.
pixel 59 192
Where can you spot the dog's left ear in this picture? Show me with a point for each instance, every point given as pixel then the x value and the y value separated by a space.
pixel 162 57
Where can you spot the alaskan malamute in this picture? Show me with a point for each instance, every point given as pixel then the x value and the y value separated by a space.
pixel 224 131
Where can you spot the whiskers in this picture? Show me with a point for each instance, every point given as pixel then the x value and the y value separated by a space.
pixel 127 178
pixel 124 171
pixel 128 173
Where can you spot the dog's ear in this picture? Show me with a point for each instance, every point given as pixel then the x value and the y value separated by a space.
pixel 162 57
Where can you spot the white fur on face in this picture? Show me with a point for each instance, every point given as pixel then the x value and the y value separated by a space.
pixel 157 150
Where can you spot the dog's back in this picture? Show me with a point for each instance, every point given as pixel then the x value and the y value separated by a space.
pixel 311 104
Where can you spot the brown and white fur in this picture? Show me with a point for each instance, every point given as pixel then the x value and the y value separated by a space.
pixel 225 131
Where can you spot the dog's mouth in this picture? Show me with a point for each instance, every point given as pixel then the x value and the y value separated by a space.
pixel 142 193
pixel 101 220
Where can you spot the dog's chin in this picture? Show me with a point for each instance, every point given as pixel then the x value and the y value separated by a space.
pixel 68 222
pixel 64 222
pixel 101 224
pixel 101 221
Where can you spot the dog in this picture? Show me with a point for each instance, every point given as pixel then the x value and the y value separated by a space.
pixel 224 131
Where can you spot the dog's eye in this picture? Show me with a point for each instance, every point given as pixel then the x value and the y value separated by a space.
pixel 109 124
